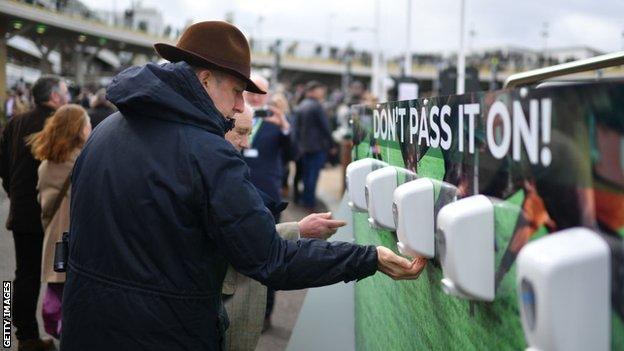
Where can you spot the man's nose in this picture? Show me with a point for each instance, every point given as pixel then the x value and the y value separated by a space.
pixel 245 142
pixel 239 104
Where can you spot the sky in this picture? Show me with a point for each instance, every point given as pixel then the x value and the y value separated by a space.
pixel 435 24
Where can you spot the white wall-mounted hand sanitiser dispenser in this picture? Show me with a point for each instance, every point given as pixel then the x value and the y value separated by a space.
pixel 356 173
pixel 564 291
pixel 414 206
pixel 466 248
pixel 380 186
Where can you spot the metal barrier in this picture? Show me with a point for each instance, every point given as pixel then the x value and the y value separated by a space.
pixel 534 76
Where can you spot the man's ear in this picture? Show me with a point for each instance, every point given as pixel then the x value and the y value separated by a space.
pixel 54 96
pixel 205 76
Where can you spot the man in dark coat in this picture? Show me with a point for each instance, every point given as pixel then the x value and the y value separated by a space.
pixel 18 170
pixel 149 245
pixel 314 139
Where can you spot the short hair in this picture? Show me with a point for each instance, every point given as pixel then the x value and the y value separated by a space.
pixel 44 87
pixel 313 84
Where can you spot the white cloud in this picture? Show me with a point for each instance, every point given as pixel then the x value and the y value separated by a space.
pixel 435 24
pixel 586 28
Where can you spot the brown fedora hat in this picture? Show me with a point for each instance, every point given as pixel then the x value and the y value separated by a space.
pixel 213 44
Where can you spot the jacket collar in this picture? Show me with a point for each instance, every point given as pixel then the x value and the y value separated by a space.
pixel 44 110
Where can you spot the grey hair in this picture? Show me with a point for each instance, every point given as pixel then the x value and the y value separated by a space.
pixel 44 87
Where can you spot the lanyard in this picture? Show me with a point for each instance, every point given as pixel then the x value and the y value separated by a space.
pixel 254 130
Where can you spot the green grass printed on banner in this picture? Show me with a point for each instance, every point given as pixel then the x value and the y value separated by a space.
pixel 431 165
pixel 407 315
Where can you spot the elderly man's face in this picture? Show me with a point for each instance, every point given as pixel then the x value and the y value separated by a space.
pixel 257 100
pixel 239 136
pixel 226 92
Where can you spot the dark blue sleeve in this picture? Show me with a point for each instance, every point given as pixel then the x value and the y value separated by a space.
pixel 247 238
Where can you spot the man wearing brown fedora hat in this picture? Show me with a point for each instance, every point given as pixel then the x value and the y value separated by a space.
pixel 149 246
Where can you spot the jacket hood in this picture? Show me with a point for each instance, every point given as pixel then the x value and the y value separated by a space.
pixel 170 92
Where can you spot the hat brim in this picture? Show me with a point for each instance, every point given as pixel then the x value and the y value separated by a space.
pixel 176 54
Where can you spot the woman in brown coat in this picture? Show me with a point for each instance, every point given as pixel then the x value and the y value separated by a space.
pixel 57 146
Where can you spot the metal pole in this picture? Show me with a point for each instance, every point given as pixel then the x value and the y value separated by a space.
pixel 259 27
pixel 79 71
pixel 383 73
pixel 346 76
pixel 376 64
pixel 408 39
pixel 537 75
pixel 277 63
pixel 461 55
pixel 330 19
pixel 545 35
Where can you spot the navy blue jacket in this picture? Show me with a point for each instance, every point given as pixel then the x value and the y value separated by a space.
pixel 312 130
pixel 266 169
pixel 161 203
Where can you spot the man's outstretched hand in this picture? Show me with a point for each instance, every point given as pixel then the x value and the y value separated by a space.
pixel 319 226
pixel 397 267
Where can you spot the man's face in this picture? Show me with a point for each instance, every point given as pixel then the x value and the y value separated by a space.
pixel 319 93
pixel 59 97
pixel 239 136
pixel 257 100
pixel 226 92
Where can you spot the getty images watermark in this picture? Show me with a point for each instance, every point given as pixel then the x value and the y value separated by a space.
pixel 6 314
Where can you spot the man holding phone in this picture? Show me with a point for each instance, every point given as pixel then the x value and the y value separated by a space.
pixel 270 136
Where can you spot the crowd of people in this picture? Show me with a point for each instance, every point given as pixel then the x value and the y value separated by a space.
pixel 20 100
pixel 170 186
pixel 296 159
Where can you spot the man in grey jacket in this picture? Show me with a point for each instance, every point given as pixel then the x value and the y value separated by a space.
pixel 246 298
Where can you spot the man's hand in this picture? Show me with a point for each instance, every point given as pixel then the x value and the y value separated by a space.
pixel 278 118
pixel 397 267
pixel 319 226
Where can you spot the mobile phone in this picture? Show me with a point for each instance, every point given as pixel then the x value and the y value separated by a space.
pixel 263 113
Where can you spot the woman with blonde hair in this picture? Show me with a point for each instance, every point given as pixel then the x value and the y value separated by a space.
pixel 57 146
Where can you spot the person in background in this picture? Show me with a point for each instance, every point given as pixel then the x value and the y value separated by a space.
pixel 83 98
pixel 269 140
pixel 100 108
pixel 18 170
pixel 279 101
pixel 314 139
pixel 245 298
pixel 16 103
pixel 57 146
pixel 9 104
